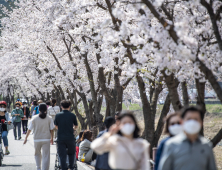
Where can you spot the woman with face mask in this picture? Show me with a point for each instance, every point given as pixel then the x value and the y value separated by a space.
pixel 173 127
pixel 126 150
pixel 17 115
pixel 4 116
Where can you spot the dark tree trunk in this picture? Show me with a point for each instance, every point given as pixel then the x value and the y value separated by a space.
pixel 149 126
pixel 160 125
pixel 172 84
pixel 185 94
pixel 200 86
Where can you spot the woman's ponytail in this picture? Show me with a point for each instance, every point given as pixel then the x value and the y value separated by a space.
pixel 42 110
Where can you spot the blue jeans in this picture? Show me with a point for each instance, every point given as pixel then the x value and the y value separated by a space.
pixel 18 125
pixel 4 137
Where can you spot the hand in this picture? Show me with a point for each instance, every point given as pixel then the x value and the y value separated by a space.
pixel 51 141
pixel 25 141
pixel 113 129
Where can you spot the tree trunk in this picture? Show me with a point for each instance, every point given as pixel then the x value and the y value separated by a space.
pixel 149 126
pixel 160 125
pixel 200 86
pixel 172 84
pixel 185 94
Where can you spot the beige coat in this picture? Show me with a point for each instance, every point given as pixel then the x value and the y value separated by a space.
pixel 119 156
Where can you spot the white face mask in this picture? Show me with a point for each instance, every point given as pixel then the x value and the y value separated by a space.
pixel 24 105
pixel 175 129
pixel 2 109
pixel 128 129
pixel 17 107
pixel 192 127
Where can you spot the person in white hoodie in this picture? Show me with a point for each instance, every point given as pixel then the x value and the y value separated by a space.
pixel 126 150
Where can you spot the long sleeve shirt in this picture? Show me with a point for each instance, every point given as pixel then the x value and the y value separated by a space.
pixel 180 154
pixel 17 111
pixel 123 152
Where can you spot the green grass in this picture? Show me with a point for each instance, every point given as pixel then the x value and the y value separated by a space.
pixel 211 108
pixel 214 108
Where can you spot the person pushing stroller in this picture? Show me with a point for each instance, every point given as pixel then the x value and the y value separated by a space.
pixel 64 122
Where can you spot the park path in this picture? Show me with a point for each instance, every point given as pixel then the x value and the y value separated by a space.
pixel 22 156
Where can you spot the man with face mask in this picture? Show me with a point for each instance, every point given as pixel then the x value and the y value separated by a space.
pixel 17 114
pixel 188 150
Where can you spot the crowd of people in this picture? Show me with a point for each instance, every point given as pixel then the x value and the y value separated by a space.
pixel 118 146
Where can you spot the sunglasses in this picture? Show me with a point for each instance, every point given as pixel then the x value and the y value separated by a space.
pixel 175 123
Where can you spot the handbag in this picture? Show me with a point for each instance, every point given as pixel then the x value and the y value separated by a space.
pixel 15 118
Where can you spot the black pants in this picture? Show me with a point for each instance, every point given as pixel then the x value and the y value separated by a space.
pixel 24 125
pixel 62 146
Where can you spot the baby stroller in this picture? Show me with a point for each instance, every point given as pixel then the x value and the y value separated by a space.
pixel 58 163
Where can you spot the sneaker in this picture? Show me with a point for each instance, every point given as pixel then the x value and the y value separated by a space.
pixel 23 132
pixel 20 138
pixel 16 138
pixel 7 152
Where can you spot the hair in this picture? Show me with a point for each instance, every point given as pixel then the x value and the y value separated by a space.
pixel 17 103
pixel 65 104
pixel 42 110
pixel 167 120
pixel 48 103
pixel 130 114
pixel 40 101
pixel 35 102
pixel 80 136
pixel 192 109
pixel 24 103
pixel 53 102
pixel 87 134
pixel 109 121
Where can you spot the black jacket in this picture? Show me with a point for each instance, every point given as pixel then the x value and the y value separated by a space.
pixel 27 112
pixel 102 160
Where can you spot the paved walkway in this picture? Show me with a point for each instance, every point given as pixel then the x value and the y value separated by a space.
pixel 22 156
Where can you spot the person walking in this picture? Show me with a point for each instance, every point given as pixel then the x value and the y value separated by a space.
pixel 64 122
pixel 42 126
pixel 126 149
pixel 25 118
pixel 36 110
pixel 52 111
pixel 4 116
pixel 34 105
pixel 173 127
pixel 17 115
pixel 188 150
pixel 102 160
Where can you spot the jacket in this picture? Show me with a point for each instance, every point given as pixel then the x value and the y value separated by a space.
pixel 27 112
pixel 17 111
pixel 159 152
pixel 84 147
pixel 102 160
pixel 123 152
